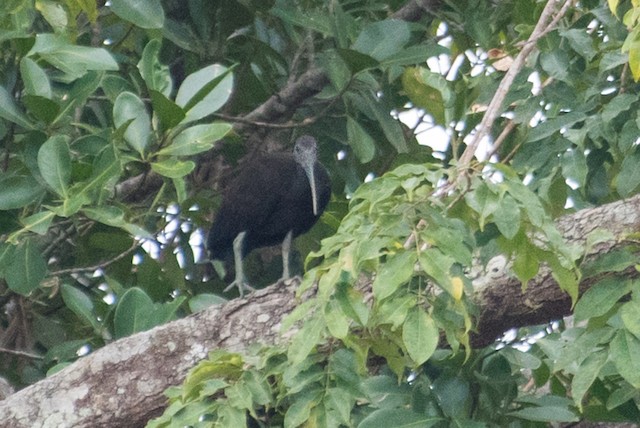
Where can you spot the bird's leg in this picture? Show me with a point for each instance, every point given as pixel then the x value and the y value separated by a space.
pixel 286 252
pixel 237 258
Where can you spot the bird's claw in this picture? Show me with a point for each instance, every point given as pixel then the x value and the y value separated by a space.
pixel 242 287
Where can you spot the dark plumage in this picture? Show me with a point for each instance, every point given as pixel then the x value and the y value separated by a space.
pixel 270 202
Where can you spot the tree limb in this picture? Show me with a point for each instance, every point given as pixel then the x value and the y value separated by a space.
pixel 122 383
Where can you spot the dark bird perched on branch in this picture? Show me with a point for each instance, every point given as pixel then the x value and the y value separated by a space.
pixel 273 199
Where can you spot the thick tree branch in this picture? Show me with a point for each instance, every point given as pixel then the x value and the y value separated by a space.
pixel 122 383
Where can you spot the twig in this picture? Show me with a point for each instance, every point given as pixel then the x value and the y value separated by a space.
pixel 21 353
pixel 546 23
pixel 98 266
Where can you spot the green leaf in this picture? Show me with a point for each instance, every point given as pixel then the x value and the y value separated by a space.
pixel 19 191
pixel 156 75
pixel 27 268
pixel 507 217
pixel 483 201
pixel 397 270
pixel 374 39
pixel 169 113
pixel 142 13
pixel 36 81
pixel 624 350
pixel 38 223
pixel 196 139
pixel 133 313
pixel 54 162
pixel 80 304
pixel 173 168
pixel 600 298
pixel 628 178
pixel 204 300
pixel 130 111
pixel 306 340
pixel 72 59
pixel 437 266
pixel 545 414
pixel 356 61
pixel 298 413
pixel 429 91
pixel 336 320
pixel 526 263
pixel 360 141
pixel 378 110
pixel 205 91
pixel 630 314
pixel 420 335
pixel 11 112
pixel 398 418
pixel 42 108
pixel 586 375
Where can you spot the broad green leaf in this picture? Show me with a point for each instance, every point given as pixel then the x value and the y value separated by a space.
pixel 173 168
pixel 54 162
pixel 205 91
pixel 437 265
pixel 396 271
pixel 202 301
pixel 630 314
pixel 142 13
pixel 398 418
pixel 156 75
pixel 586 375
pixel 628 178
pixel 27 268
pixel 360 141
pixel 19 191
pixel 483 201
pixel 526 263
pixel 109 215
pixel 196 139
pixel 454 395
pixel 106 170
pixel 38 223
pixel 600 298
pixel 545 414
pixel 35 79
pixel 624 350
pixel 336 320
pixel 305 340
pixel 80 304
pixel 74 60
pixel 429 91
pixel 378 110
pixel 42 108
pixel 420 335
pixel 507 217
pixel 551 126
pixel 299 411
pixel 10 111
pixel 54 13
pixel 133 313
pixel 169 113
pixel 356 61
pixel 130 111
pixel 374 39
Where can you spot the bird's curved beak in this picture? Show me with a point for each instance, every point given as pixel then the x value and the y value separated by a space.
pixel 311 175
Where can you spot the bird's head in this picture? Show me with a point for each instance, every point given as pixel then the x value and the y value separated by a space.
pixel 305 153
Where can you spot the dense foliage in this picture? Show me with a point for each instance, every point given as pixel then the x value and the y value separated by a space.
pixel 118 124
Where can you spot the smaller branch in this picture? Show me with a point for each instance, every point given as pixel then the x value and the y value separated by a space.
pixel 545 24
pixel 501 138
pixel 102 265
pixel 21 353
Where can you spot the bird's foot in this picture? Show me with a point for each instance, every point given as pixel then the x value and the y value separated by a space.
pixel 242 287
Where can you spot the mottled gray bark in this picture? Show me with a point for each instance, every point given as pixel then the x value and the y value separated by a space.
pixel 122 384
